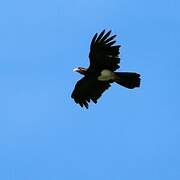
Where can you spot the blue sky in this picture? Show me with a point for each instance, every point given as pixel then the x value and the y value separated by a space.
pixel 129 134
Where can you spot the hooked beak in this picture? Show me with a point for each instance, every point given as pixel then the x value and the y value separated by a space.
pixel 75 69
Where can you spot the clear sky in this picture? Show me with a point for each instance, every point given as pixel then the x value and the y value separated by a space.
pixel 129 134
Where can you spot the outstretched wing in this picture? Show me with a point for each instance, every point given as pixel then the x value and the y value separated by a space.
pixel 87 89
pixel 103 53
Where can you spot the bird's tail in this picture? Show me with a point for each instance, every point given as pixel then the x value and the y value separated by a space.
pixel 128 79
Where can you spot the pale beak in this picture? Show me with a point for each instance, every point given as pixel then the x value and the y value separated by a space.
pixel 75 70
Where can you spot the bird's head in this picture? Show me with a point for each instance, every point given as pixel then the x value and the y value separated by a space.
pixel 80 70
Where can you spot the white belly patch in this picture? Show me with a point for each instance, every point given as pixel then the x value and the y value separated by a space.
pixel 106 75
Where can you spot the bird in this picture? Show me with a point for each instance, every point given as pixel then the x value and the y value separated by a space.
pixel 101 73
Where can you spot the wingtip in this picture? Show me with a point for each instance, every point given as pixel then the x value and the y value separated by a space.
pixel 86 104
pixel 103 31
pixel 109 32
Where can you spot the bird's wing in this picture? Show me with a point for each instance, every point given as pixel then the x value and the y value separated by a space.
pixel 103 54
pixel 87 89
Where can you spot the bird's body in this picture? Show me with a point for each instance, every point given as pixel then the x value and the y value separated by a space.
pixel 104 60
pixel 106 75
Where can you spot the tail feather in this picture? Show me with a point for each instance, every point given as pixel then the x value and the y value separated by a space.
pixel 128 79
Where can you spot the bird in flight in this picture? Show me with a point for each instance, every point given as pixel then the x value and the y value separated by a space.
pixel 98 77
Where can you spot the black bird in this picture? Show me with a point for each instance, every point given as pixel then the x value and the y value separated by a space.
pixel 104 60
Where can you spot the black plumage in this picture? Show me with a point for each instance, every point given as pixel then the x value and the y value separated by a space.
pixel 104 60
